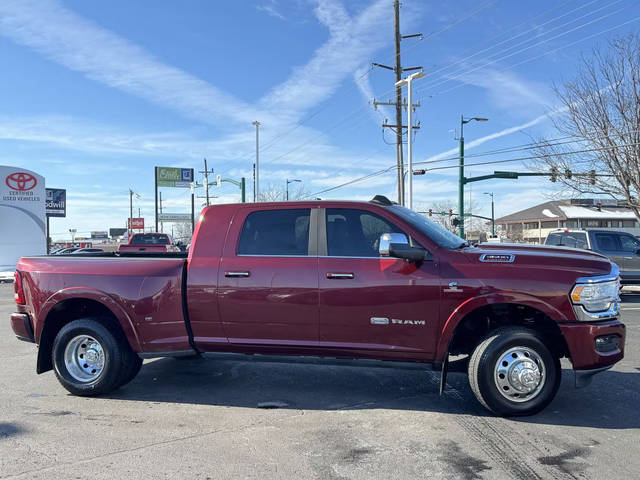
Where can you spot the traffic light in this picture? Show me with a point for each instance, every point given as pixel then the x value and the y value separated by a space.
pixel 568 174
pixel 451 212
pixel 554 174
pixel 592 177
pixel 455 222
pixel 430 212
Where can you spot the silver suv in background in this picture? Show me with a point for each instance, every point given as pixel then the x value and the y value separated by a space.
pixel 620 247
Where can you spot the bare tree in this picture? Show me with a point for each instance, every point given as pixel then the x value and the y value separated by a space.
pixel 182 232
pixel 275 193
pixel 446 221
pixel 601 113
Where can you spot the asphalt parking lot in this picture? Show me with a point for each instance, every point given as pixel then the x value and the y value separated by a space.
pixel 204 418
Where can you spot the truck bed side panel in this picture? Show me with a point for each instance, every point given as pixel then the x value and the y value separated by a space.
pixel 144 293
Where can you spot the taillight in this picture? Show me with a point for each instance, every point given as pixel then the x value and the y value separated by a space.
pixel 18 293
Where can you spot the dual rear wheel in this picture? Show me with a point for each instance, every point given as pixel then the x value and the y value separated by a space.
pixel 90 359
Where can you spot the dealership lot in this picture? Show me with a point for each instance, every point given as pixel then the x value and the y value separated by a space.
pixel 207 418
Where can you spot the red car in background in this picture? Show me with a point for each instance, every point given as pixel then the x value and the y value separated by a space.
pixel 149 243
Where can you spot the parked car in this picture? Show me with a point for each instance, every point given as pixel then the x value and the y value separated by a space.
pixel 65 251
pixel 86 250
pixel 149 243
pixel 620 247
pixel 354 280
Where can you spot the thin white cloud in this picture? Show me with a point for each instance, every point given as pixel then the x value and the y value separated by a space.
pixel 508 91
pixel 79 44
pixel 351 41
pixel 271 9
pixel 363 82
pixel 492 136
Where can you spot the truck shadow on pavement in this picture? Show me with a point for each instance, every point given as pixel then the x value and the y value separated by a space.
pixel 609 402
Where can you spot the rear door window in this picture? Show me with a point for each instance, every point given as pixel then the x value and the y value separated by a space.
pixel 275 232
pixel 608 242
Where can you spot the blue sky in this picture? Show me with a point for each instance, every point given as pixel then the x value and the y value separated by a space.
pixel 93 95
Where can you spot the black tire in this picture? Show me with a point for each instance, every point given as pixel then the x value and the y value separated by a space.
pixel 132 366
pixel 483 373
pixel 114 353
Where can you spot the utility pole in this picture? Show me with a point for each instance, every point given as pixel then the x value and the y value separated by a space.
pixel 461 179
pixel 161 222
pixel 398 128
pixel 493 217
pixel 206 180
pixel 130 212
pixel 409 82
pixel 256 186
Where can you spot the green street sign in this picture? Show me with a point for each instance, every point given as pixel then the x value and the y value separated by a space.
pixel 174 177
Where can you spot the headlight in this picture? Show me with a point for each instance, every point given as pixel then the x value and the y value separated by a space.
pixel 596 297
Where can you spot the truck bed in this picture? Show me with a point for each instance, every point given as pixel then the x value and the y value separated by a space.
pixel 145 292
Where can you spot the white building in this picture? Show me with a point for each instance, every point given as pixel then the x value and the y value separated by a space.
pixel 534 224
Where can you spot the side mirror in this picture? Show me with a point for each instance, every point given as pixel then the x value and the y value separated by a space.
pixel 397 245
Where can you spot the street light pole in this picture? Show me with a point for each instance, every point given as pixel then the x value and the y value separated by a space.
pixel 463 121
pixel 408 82
pixel 493 218
pixel 288 182
pixel 256 187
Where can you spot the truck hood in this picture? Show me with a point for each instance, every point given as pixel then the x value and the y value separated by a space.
pixel 582 262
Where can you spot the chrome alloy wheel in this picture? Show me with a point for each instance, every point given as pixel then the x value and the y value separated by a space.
pixel 84 358
pixel 519 374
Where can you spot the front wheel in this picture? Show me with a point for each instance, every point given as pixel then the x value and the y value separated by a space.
pixel 88 359
pixel 513 373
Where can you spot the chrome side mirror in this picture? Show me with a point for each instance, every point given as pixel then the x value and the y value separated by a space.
pixel 386 239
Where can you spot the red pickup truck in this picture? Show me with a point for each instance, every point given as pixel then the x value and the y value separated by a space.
pixel 329 279
pixel 150 243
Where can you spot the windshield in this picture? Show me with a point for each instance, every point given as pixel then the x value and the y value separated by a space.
pixel 149 239
pixel 435 232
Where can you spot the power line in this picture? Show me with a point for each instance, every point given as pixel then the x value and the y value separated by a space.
pixel 493 162
pixel 532 29
pixel 467 17
pixel 441 82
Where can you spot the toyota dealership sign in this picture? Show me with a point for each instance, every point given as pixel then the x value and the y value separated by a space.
pixel 22 215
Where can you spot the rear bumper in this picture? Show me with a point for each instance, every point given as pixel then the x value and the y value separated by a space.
pixel 21 325
pixel 585 352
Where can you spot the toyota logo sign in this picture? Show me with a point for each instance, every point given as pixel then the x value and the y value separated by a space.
pixel 21 181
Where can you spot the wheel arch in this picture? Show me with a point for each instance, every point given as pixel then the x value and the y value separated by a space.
pixel 66 306
pixel 471 321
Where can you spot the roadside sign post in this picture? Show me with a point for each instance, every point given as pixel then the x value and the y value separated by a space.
pixel 174 177
pixel 55 206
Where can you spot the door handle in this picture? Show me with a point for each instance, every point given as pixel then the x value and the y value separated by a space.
pixel 237 274
pixel 333 275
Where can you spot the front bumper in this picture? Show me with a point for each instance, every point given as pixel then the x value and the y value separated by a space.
pixel 585 354
pixel 21 325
